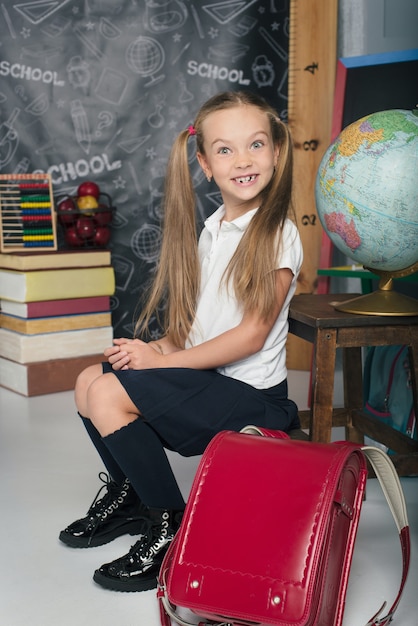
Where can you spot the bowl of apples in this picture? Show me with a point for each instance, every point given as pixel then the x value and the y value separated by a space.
pixel 86 218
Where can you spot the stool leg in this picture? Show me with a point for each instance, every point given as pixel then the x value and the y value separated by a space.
pixel 353 390
pixel 323 385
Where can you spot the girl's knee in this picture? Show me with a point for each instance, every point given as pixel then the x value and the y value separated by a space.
pixel 109 406
pixel 82 385
pixel 102 391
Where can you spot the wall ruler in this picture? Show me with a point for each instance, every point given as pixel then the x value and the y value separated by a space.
pixel 311 83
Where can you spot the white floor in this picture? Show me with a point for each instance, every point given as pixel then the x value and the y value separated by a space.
pixel 49 477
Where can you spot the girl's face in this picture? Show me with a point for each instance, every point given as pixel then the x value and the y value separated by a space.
pixel 240 155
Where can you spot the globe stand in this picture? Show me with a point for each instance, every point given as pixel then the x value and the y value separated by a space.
pixel 384 301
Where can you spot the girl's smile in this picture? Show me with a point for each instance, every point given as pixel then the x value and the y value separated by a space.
pixel 244 180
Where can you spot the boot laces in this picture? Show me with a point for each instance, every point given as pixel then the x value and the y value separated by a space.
pixel 110 502
pixel 155 537
pixel 111 499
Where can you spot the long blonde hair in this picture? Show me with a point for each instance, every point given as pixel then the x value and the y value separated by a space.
pixel 251 269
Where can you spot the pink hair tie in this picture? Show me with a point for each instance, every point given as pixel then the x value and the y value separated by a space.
pixel 192 130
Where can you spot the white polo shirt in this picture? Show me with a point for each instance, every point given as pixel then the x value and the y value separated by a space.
pixel 218 311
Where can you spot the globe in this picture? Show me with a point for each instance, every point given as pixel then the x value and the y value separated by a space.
pixel 145 56
pixel 366 194
pixel 145 243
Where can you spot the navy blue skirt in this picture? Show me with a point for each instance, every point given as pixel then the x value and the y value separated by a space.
pixel 188 407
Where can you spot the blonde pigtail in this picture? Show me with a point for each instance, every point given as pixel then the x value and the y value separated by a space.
pixel 176 282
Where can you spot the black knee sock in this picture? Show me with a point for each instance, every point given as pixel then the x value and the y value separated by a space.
pixel 140 453
pixel 111 465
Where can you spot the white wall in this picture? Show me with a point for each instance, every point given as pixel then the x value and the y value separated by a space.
pixel 373 26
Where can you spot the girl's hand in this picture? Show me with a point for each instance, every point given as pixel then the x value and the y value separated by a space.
pixel 115 357
pixel 133 354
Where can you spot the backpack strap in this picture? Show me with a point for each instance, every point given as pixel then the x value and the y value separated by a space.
pixel 389 481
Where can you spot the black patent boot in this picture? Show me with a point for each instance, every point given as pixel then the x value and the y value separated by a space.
pixel 118 512
pixel 138 570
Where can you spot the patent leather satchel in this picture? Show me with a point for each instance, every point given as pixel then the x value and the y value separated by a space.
pixel 268 533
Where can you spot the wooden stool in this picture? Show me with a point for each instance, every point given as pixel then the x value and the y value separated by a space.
pixel 313 318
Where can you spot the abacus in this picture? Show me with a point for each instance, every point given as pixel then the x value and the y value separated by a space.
pixel 27 218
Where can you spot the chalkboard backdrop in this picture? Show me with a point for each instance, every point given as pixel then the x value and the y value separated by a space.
pixel 98 89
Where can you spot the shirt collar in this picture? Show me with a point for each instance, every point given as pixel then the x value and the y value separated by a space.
pixel 213 221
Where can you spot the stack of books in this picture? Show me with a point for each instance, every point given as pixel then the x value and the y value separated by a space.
pixel 55 317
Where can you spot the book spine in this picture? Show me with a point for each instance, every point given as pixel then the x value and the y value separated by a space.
pixel 54 324
pixel 71 343
pixel 59 259
pixel 56 284
pixel 72 306
pixel 44 377
pixel 69 283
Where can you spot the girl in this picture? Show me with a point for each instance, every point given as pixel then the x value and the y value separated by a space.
pixel 221 362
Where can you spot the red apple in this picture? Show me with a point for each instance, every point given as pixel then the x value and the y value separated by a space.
pixel 72 237
pixel 88 188
pixel 67 211
pixel 101 236
pixel 103 215
pixel 85 227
